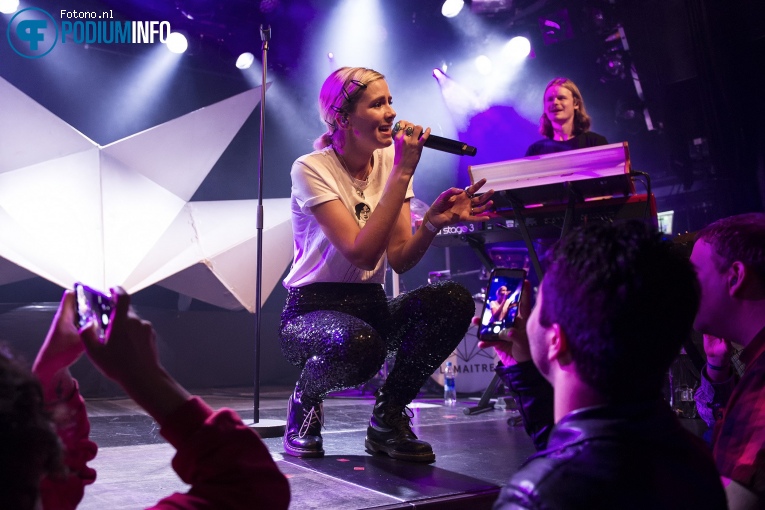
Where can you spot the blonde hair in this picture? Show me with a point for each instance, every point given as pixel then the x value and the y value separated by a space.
pixel 582 121
pixel 338 97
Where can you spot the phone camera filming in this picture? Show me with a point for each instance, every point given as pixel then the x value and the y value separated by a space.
pixel 501 302
pixel 92 307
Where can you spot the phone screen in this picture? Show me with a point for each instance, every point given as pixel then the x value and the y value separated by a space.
pixel 92 306
pixel 501 305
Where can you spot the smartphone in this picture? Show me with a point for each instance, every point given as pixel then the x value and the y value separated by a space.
pixel 92 306
pixel 500 307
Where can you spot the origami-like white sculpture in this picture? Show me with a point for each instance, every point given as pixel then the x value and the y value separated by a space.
pixel 71 210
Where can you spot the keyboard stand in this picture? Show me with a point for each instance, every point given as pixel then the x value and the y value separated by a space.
pixel 485 404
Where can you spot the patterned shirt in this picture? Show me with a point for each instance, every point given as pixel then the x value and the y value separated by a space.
pixel 711 397
pixel 739 435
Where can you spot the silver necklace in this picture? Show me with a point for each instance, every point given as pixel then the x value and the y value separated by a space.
pixel 358 185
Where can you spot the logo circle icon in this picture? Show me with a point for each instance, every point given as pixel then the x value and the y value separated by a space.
pixel 32 32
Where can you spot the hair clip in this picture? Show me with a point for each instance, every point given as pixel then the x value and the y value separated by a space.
pixel 332 124
pixel 359 85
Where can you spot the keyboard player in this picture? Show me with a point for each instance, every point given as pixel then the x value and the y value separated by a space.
pixel 560 203
pixel 564 123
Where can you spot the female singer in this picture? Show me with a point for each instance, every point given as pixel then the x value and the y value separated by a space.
pixel 338 325
pixel 501 305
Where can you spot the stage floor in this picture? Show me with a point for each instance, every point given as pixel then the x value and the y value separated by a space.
pixel 475 455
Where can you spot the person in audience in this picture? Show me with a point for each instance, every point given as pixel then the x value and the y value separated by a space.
pixel 588 364
pixel 564 123
pixel 45 428
pixel 337 325
pixel 729 257
pixel 30 448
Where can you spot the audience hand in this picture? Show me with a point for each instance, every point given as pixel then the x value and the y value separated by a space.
pixel 129 348
pixel 129 356
pixel 719 352
pixel 60 350
pixel 513 344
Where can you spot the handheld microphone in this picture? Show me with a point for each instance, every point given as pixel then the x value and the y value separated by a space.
pixel 440 143
pixel 452 146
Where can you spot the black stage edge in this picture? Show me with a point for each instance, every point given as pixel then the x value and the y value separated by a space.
pixel 475 456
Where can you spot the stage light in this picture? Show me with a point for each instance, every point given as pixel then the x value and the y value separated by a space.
pixel 556 27
pixel 483 64
pixel 331 56
pixel 177 42
pixel 245 60
pixel 451 8
pixel 267 6
pixel 598 18
pixel 613 65
pixel 460 100
pixel 492 7
pixel 516 49
pixel 630 114
pixel 617 34
pixel 196 10
pixel 356 31
pixel 9 6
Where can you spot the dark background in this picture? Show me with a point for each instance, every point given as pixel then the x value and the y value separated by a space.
pixel 698 62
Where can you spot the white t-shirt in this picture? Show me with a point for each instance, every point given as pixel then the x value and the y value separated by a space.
pixel 320 177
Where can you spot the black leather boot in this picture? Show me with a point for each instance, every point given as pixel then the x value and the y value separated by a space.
pixel 302 438
pixel 390 432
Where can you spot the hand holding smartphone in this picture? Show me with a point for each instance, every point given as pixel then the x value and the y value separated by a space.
pixel 92 306
pixel 503 296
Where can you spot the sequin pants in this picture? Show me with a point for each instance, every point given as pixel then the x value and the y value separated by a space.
pixel 340 334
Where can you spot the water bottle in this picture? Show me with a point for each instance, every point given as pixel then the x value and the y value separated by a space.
pixel 450 390
pixel 682 385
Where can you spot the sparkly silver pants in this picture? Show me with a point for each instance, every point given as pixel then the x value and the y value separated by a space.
pixel 340 334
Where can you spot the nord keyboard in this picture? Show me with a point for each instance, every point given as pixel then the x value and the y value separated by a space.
pixel 546 222
pixel 602 171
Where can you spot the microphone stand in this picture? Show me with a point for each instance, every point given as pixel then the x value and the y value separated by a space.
pixel 266 428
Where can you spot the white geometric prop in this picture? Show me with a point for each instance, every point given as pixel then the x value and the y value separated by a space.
pixel 71 210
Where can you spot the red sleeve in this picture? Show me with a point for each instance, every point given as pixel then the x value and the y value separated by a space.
pixel 224 461
pixel 73 428
pixel 739 440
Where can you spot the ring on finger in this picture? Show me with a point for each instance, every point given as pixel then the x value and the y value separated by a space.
pixel 409 131
pixel 468 193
